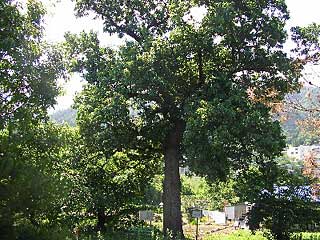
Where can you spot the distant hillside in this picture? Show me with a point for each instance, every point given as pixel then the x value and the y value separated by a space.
pixel 309 98
pixel 65 116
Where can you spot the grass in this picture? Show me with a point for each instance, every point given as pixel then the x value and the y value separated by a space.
pixel 238 235
pixel 247 235
pixel 133 234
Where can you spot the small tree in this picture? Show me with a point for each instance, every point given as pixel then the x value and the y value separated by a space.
pixel 107 189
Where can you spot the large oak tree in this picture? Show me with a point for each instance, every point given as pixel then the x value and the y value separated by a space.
pixel 199 91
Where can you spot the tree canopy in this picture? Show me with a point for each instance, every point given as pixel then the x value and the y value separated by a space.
pixel 197 91
pixel 29 68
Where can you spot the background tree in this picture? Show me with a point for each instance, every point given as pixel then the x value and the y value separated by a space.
pixel 195 91
pixel 29 68
pixel 108 190
pixel 308 49
pixel 33 182
pixel 30 181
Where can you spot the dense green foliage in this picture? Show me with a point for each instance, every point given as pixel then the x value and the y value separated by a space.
pixel 28 67
pixel 32 188
pixel 108 190
pixel 293 113
pixel 308 42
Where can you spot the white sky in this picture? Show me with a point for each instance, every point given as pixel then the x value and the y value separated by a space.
pixel 60 19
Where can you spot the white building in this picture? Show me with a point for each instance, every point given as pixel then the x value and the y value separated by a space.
pixel 237 211
pixel 303 151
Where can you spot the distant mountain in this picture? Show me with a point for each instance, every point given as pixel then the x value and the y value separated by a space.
pixel 65 116
pixel 308 97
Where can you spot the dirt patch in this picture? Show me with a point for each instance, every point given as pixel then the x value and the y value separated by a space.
pixel 207 229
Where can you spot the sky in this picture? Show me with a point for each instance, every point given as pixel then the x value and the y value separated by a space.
pixel 61 19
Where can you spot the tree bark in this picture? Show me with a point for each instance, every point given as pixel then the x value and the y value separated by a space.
pixel 172 218
pixel 101 220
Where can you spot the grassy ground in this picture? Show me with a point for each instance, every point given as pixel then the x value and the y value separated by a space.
pixel 238 235
pixel 147 235
pixel 247 235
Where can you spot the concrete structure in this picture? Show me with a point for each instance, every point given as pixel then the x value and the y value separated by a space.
pixel 302 151
pixel 217 216
pixel 237 211
pixel 184 170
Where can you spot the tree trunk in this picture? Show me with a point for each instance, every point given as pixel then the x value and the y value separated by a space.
pixel 101 220
pixel 172 219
